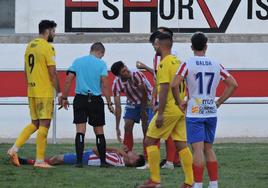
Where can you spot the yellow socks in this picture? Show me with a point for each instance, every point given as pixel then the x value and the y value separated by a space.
pixel 25 134
pixel 186 163
pixel 153 161
pixel 41 143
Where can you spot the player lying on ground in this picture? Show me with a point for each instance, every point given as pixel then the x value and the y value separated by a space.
pixel 114 156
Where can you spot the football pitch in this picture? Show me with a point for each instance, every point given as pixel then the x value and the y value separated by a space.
pixel 240 165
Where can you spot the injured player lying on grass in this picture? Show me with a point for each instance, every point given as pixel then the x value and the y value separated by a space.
pixel 114 156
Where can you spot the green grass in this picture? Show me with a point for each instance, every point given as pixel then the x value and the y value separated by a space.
pixel 240 165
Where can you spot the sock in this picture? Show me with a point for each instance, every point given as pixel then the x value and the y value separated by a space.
pixel 198 185
pixel 198 173
pixel 153 161
pixel 170 149
pixel 24 161
pixel 30 161
pixel 79 147
pixel 186 163
pixel 176 159
pixel 101 145
pixel 212 167
pixel 128 141
pixel 41 143
pixel 47 161
pixel 24 135
pixel 213 184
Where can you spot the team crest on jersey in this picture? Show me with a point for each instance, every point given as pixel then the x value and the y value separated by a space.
pixel 33 45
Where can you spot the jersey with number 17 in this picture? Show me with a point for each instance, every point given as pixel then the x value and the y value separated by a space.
pixel 38 56
pixel 202 77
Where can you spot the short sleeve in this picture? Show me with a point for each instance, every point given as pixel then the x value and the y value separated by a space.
pixel 72 68
pixel 182 70
pixel 116 88
pixel 223 72
pixel 163 73
pixel 50 55
pixel 104 70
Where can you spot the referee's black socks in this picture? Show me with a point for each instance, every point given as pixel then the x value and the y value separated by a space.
pixel 79 147
pixel 101 145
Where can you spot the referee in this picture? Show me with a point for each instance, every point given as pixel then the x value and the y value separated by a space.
pixel 88 106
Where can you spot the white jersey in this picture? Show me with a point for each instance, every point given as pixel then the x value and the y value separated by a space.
pixel 202 77
pixel 112 158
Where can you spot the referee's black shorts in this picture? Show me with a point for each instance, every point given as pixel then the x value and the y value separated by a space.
pixel 88 111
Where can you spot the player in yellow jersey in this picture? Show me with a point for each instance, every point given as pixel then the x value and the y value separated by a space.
pixel 169 120
pixel 42 79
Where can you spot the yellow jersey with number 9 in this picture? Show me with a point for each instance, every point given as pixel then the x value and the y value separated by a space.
pixel 38 56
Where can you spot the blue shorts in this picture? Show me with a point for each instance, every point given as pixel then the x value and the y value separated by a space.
pixel 201 129
pixel 70 158
pixel 133 112
pixel 150 114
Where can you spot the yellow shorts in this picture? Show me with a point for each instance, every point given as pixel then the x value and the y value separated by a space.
pixel 41 108
pixel 173 126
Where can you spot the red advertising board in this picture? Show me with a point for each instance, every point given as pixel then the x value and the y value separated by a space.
pixel 252 83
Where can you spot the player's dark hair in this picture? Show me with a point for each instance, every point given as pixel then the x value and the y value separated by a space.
pixel 46 24
pixel 199 41
pixel 165 37
pixel 153 36
pixel 97 46
pixel 166 30
pixel 116 67
pixel 140 161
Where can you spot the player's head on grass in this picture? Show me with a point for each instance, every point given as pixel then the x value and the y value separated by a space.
pixel 199 41
pixel 47 29
pixel 163 43
pixel 97 49
pixel 133 159
pixel 121 70
pixel 140 161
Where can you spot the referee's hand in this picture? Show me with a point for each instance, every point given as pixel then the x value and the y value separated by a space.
pixel 64 103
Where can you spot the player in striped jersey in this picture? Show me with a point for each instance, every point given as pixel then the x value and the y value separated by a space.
pixel 202 76
pixel 138 90
pixel 114 156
